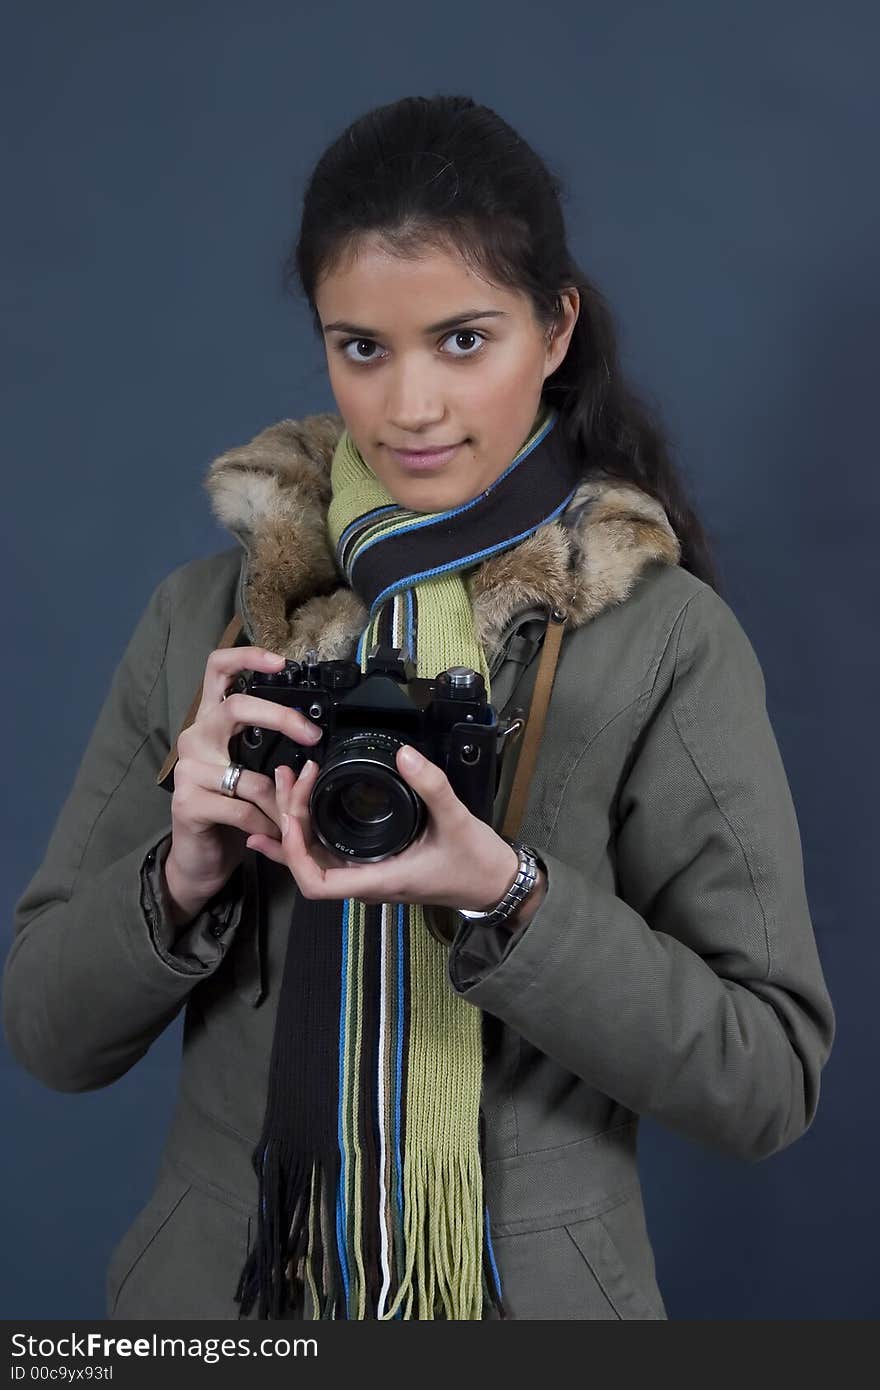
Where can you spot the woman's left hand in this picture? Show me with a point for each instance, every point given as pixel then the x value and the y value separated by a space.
pixel 457 860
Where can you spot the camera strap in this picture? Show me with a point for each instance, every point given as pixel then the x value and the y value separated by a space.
pixel 531 739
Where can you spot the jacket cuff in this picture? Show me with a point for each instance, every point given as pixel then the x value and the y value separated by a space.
pixel 478 949
pixel 197 946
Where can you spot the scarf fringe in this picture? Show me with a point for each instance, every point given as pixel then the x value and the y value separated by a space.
pixel 275 1268
pixel 443 1271
pixel 445 1277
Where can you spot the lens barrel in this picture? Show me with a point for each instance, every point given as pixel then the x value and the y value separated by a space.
pixel 360 806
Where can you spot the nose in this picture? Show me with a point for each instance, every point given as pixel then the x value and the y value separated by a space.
pixel 413 405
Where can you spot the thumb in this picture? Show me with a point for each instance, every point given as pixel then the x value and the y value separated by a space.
pixel 429 780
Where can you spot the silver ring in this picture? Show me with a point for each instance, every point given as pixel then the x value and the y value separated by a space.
pixel 230 778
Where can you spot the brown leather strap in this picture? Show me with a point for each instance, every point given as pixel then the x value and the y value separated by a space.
pixel 531 740
pixel 227 640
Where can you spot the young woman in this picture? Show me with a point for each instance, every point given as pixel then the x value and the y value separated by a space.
pixel 411 1084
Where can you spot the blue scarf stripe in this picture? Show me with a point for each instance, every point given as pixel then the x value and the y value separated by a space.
pixel 364 521
pixel 473 559
pixel 415 550
pixel 408 521
pixel 495 1275
pixel 398 1069
pixel 341 1213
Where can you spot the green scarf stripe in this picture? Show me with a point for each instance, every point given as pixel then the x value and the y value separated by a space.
pixel 369 1104
pixel 445 1047
pixel 389 625
pixel 387 980
pixel 388 1045
pixel 401 1008
pixel 351 1128
pixel 345 1104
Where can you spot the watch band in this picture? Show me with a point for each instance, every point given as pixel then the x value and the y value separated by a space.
pixel 526 878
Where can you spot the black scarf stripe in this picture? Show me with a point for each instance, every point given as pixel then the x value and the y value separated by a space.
pixel 299 1126
pixel 362 531
pixel 497 519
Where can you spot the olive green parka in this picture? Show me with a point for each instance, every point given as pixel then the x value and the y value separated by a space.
pixel 671 970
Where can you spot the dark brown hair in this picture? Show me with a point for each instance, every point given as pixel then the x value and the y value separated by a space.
pixel 446 173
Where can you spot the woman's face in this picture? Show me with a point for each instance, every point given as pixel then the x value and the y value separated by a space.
pixel 400 381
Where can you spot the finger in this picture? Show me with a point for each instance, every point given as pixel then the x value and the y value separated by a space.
pixel 308 873
pixel 292 795
pixel 203 809
pixel 270 848
pixel 255 787
pixel 251 787
pixel 432 785
pixel 285 780
pixel 243 711
pixel 321 874
pixel 209 736
pixel 225 663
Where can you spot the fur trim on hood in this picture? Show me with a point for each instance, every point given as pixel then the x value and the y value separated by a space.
pixel 273 494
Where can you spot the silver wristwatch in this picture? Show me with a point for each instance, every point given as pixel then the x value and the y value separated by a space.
pixel 526 878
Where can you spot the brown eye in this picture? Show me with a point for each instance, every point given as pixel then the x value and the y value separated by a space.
pixel 359 343
pixel 467 333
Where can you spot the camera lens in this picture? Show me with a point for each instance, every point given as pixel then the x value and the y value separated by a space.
pixel 361 808
pixel 364 803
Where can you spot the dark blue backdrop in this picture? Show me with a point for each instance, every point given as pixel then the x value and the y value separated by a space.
pixel 718 165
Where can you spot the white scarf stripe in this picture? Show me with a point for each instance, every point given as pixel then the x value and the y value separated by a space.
pixel 382 1086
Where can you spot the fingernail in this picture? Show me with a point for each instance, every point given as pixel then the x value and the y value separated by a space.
pixel 307 768
pixel 285 824
pixel 410 757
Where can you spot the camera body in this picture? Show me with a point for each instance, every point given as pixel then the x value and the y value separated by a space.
pixel 361 808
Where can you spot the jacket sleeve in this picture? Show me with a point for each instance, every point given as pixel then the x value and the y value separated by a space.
pixel 694 994
pixel 96 969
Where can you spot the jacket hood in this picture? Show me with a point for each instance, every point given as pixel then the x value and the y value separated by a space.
pixel 273 494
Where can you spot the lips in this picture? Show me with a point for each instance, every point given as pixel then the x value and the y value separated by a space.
pixel 419 460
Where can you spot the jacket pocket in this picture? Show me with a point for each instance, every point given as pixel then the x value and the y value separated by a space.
pixel 576 1271
pixel 169 1193
pixel 182 1256
pixel 616 1247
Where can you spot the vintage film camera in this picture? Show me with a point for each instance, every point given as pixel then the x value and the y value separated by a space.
pixel 360 806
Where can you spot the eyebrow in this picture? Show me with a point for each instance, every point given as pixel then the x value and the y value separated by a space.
pixel 340 326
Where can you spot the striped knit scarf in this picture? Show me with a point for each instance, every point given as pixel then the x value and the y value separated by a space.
pixel 370 1164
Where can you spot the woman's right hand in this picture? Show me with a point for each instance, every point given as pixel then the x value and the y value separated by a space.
pixel 210 828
